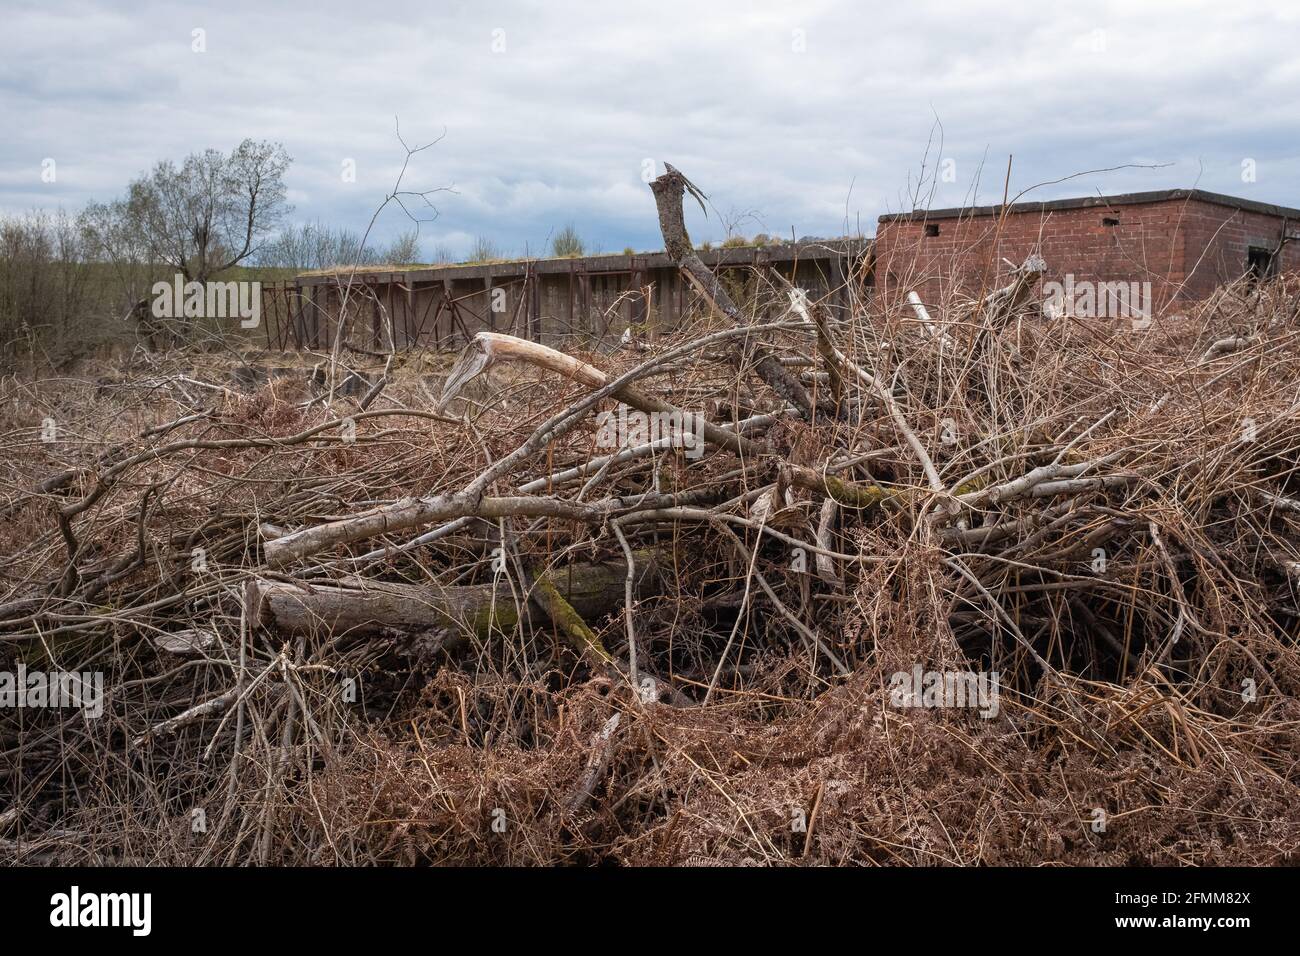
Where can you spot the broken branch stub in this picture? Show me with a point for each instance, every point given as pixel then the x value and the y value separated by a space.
pixel 668 191
pixel 1000 305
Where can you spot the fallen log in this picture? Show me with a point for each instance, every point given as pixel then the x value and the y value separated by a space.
pixel 413 512
pixel 592 589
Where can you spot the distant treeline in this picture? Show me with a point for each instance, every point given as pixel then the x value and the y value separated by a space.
pixel 71 283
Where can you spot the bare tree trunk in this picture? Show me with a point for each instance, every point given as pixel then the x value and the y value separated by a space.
pixel 668 191
pixel 591 589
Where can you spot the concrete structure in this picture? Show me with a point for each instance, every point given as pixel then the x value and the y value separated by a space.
pixel 595 298
pixel 1184 242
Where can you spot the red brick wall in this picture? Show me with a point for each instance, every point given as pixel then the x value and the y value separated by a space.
pixel 1217 242
pixel 1157 242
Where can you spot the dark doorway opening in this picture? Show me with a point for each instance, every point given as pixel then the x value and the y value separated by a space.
pixel 1259 262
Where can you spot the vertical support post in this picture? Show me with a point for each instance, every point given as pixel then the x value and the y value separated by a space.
pixel 839 294
pixel 584 298
pixel 450 301
pixel 569 309
pixel 530 304
pixel 410 314
pixel 638 310
pixel 534 305
pixel 295 313
pixel 313 317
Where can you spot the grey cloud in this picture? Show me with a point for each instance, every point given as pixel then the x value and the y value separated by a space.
pixel 555 128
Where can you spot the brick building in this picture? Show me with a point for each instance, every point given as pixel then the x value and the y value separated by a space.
pixel 1184 242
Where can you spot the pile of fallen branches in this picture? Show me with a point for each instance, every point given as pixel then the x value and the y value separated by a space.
pixel 481 619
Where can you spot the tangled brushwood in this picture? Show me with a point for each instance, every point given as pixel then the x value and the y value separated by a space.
pixel 965 586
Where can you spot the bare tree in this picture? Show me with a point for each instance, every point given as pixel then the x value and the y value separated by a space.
pixel 114 238
pixel 313 246
pixel 210 213
pixel 484 250
pixel 567 243
pixel 404 250
pixel 45 291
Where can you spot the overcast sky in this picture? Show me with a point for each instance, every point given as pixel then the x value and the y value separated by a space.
pixel 812 117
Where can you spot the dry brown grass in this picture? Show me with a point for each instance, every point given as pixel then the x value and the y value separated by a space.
pixel 1099 710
